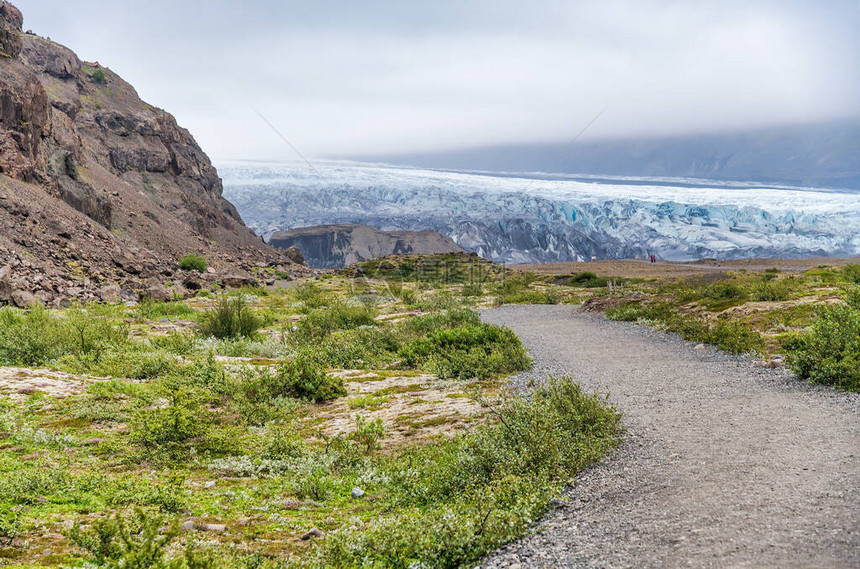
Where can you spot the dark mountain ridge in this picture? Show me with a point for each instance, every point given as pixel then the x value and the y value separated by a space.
pixel 336 246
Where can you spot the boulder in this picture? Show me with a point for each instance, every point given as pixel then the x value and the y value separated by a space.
pixel 51 58
pixel 110 293
pixel 5 286
pixel 238 281
pixel 157 293
pixel 23 299
pixel 314 533
pixel 139 160
pixel 192 283
pixel 775 364
pixel 295 255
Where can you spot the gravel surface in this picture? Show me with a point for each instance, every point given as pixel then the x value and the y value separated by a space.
pixel 724 464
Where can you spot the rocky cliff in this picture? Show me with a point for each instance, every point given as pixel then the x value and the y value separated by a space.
pixel 100 193
pixel 335 246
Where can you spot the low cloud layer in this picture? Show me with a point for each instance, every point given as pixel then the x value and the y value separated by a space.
pixel 344 77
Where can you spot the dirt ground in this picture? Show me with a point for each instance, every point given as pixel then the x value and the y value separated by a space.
pixel 20 383
pixel 724 464
pixel 412 408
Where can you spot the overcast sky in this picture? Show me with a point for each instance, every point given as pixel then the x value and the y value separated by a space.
pixel 360 77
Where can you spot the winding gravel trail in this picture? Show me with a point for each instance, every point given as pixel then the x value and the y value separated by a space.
pixel 723 465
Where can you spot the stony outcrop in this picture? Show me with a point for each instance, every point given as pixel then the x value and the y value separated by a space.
pixel 336 246
pixel 99 189
pixel 11 23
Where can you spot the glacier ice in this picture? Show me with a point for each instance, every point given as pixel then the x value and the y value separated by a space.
pixel 517 218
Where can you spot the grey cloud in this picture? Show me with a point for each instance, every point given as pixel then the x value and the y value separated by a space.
pixel 362 77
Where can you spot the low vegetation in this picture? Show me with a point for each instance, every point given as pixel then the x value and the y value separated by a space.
pixel 99 76
pixel 219 430
pixel 830 352
pixel 231 317
pixel 810 318
pixel 192 262
pixel 731 336
pixel 366 414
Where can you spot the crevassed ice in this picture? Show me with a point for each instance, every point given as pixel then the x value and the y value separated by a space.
pixel 516 218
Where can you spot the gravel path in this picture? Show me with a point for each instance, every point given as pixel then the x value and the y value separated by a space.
pixel 723 465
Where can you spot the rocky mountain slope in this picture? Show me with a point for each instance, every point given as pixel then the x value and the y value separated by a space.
pixel 335 246
pixel 100 193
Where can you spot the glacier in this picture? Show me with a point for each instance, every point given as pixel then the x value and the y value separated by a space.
pixel 531 218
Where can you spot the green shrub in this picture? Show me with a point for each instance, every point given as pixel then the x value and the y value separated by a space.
pixel 366 401
pixel 37 337
pixel 851 273
pixel 283 443
pixel 311 295
pixel 301 377
pixel 468 352
pixel 458 500
pixel 445 319
pixel 99 76
pixel 772 290
pixel 181 418
pixel 10 525
pixel 634 311
pixel 630 312
pixel 88 334
pixel 441 301
pixel 320 323
pixel 733 337
pixel 546 296
pixel 192 262
pixel 362 348
pixel 142 541
pixel 31 339
pixel 231 317
pixel 586 279
pixel 513 283
pixel 177 342
pixel 29 486
pixel 367 434
pixel 150 310
pixel 472 290
pixel 725 291
pixel 317 485
pixel 131 363
pixel 830 352
pixel 260 412
pixel 852 297
pixel 305 379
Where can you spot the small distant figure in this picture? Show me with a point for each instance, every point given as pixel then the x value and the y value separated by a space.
pixel 594 257
pixel 653 259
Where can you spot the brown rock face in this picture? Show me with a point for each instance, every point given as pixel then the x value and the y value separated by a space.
pixel 53 59
pixel 11 25
pixel 336 246
pixel 24 121
pixel 90 174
